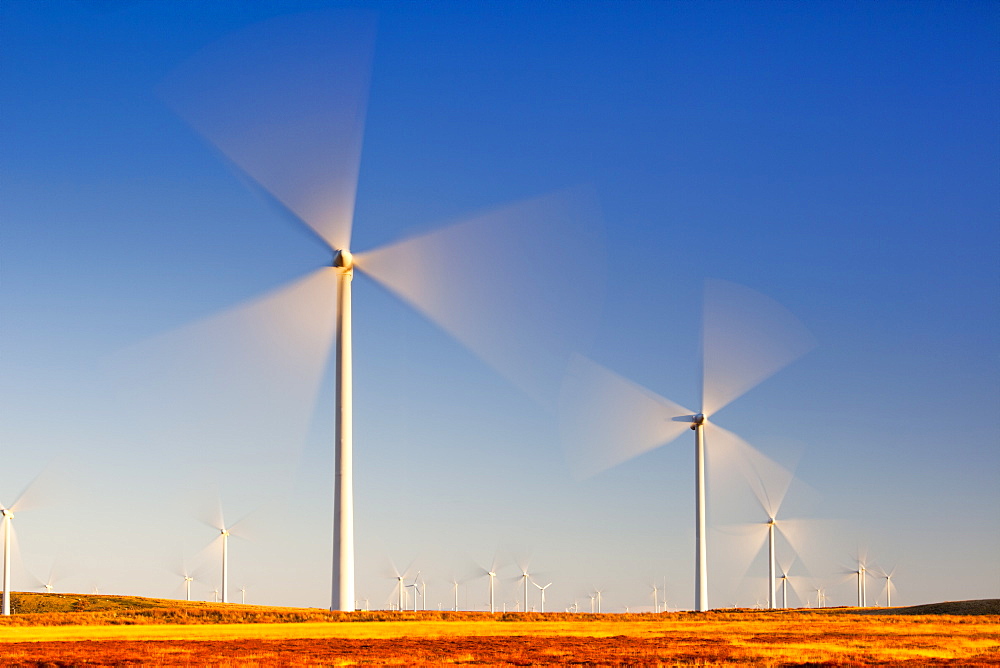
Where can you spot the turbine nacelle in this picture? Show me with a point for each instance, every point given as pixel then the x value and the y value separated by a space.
pixel 697 421
pixel 7 512
pixel 343 259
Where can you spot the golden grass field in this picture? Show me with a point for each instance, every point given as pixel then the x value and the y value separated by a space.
pixel 107 630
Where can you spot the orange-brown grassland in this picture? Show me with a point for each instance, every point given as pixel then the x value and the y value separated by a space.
pixel 73 629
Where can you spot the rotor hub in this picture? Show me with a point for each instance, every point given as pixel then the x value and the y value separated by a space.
pixel 697 420
pixel 343 259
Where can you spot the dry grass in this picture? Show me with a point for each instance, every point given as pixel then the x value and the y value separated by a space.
pixel 125 630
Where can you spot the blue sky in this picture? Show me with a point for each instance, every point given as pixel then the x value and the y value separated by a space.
pixel 842 159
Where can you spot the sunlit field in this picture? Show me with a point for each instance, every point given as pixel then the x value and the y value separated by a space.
pixel 107 630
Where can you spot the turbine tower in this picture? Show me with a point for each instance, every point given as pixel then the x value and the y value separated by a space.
pixel 187 587
pixel 492 575
pixel 8 515
pixel 285 102
pixel 606 419
pixel 770 564
pixel 224 532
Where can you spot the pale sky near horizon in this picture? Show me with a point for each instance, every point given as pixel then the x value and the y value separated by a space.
pixel 842 159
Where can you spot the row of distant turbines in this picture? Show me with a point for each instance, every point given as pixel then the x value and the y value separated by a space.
pixel 777 586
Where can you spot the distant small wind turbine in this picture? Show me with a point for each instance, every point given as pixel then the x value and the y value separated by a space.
pixel 525 578
pixel 888 585
pixel 541 590
pixel 593 597
pixel 862 578
pixel 243 595
pixel 656 600
pixel 598 593
pixel 187 587
pixel 416 590
pixel 492 575
pixel 215 595
pixel 454 586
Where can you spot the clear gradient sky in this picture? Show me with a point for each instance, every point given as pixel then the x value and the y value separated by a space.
pixel 841 158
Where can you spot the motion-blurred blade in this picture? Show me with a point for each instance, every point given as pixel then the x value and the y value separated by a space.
pixel 238 384
pixel 521 286
pixel 746 338
pixel 727 453
pixel 740 544
pixel 606 419
pixel 285 101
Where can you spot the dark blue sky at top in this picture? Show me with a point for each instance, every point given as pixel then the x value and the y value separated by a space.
pixel 843 159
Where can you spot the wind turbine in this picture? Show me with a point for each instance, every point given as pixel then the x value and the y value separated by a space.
pixel 862 594
pixel 888 585
pixel 454 586
pixel 524 577
pixel 656 600
pixel 606 419
pixel 541 590
pixel 243 595
pixel 598 595
pixel 187 587
pixel 492 575
pixel 416 590
pixel 285 102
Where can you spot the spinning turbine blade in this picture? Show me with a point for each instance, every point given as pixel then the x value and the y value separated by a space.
pixel 246 378
pixel 285 100
pixel 728 454
pixel 519 286
pixel 606 419
pixel 746 338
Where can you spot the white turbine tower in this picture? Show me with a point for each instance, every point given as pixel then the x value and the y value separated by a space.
pixel 493 576
pixel 8 515
pixel 187 587
pixel 862 579
pixel 285 101
pixel 541 590
pixel 606 419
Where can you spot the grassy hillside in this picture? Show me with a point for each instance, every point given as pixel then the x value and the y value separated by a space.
pixel 33 609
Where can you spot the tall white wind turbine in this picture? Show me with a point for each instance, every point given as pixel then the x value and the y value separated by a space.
pixel 285 102
pixel 23 501
pixel 606 419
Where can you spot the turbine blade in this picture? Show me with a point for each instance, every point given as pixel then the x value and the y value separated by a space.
pixel 285 101
pixel 519 286
pixel 606 419
pixel 746 337
pixel 243 381
pixel 727 453
pixel 52 484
